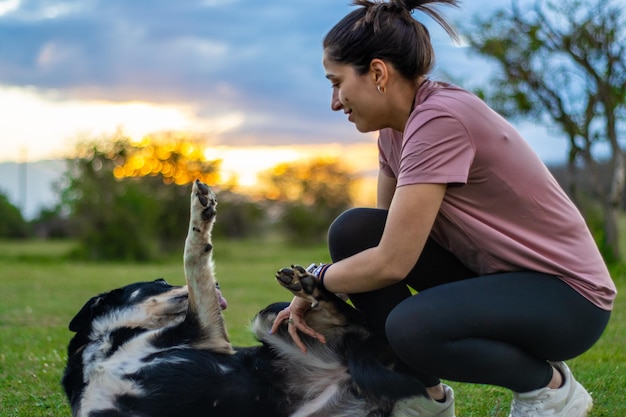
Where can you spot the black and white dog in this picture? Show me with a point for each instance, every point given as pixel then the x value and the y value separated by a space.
pixel 151 349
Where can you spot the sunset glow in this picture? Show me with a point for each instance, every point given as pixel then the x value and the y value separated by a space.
pixel 78 120
pixel 75 120
pixel 242 165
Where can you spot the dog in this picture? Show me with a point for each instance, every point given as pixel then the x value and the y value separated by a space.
pixel 151 349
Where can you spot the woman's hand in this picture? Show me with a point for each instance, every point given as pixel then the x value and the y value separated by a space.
pixel 294 314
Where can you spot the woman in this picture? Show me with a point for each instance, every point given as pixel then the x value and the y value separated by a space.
pixel 510 282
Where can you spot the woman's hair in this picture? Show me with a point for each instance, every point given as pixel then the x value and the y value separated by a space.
pixel 388 31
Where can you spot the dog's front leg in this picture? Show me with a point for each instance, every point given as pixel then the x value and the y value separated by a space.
pixel 204 301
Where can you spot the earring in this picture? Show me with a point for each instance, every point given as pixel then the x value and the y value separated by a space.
pixel 381 90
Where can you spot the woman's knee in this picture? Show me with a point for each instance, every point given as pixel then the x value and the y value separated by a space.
pixel 354 231
pixel 410 331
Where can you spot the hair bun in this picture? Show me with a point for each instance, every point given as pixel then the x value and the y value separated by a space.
pixel 399 5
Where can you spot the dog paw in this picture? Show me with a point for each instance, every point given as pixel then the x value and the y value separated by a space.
pixel 302 284
pixel 204 200
pixel 203 209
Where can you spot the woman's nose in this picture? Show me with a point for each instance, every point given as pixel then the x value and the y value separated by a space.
pixel 335 104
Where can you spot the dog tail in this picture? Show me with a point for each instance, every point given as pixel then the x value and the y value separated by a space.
pixel 372 370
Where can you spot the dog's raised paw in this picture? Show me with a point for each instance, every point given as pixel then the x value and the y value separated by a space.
pixel 204 193
pixel 205 197
pixel 297 280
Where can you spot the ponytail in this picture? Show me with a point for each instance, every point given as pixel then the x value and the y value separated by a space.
pixel 427 7
pixel 387 30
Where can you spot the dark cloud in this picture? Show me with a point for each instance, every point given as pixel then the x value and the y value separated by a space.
pixel 178 46
pixel 260 58
pixel 249 56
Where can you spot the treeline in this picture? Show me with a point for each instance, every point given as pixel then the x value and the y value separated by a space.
pixel 130 201
pixel 121 200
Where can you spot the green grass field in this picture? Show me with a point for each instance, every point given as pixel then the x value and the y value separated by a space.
pixel 40 292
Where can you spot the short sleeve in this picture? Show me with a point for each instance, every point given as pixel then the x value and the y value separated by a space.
pixel 385 154
pixel 436 149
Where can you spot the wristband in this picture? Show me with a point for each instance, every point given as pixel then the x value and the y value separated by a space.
pixel 320 273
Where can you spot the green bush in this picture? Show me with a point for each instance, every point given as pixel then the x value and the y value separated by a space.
pixel 12 224
pixel 122 227
pixel 307 223
pixel 238 216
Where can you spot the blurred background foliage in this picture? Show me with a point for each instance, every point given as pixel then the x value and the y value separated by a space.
pixel 121 200
pixel 130 201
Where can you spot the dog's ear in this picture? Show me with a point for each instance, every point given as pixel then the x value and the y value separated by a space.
pixel 90 310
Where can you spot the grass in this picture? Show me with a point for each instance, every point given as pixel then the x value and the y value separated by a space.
pixel 40 292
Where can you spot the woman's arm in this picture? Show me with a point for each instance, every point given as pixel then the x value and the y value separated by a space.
pixel 412 213
pixel 385 191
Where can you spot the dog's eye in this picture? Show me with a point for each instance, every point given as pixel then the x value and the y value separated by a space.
pixel 161 281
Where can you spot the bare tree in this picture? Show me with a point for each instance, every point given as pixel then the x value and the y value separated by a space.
pixel 563 64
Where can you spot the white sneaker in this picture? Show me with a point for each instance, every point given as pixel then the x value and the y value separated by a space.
pixel 571 400
pixel 425 407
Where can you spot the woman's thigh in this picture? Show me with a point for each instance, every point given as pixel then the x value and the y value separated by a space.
pixel 535 312
pixel 498 329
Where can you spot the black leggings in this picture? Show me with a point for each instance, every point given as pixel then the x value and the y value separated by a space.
pixel 499 329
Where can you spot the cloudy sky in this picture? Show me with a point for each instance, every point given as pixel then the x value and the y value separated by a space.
pixel 245 73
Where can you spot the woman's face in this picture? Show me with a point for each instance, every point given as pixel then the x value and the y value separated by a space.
pixel 355 94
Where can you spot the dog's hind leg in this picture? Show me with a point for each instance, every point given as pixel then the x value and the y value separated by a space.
pixel 204 300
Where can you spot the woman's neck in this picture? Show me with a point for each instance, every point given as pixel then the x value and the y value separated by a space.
pixel 406 103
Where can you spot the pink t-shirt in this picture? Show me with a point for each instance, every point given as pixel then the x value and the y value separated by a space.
pixel 503 210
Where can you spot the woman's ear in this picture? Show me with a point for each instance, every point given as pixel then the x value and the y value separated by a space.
pixel 380 72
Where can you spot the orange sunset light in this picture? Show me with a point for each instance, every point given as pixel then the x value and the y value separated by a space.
pixel 180 159
pixel 242 165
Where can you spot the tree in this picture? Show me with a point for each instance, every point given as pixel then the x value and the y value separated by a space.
pixel 127 200
pixel 12 224
pixel 163 164
pixel 563 63
pixel 313 193
pixel 50 223
pixel 239 215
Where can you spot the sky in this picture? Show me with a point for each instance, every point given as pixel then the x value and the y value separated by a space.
pixel 243 73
